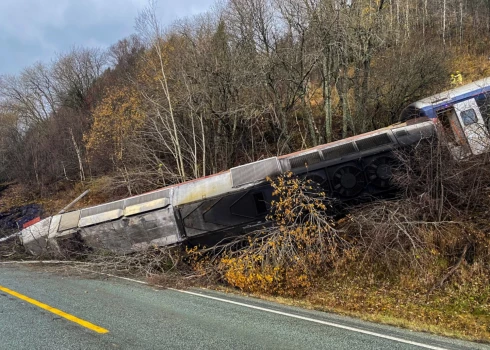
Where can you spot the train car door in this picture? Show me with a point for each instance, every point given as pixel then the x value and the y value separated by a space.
pixel 452 133
pixel 473 126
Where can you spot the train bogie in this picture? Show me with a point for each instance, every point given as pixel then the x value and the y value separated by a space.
pixel 230 212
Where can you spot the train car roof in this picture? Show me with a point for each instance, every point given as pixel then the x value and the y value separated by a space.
pixel 454 95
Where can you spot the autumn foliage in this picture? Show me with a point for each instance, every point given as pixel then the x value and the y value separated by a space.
pixel 302 243
pixel 419 260
pixel 115 120
pixel 248 80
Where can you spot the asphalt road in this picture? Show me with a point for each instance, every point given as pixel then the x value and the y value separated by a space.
pixel 136 316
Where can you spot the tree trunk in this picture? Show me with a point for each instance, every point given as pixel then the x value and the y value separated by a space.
pixel 309 117
pixel 444 22
pixel 343 92
pixel 203 135
pixel 327 96
pixel 79 156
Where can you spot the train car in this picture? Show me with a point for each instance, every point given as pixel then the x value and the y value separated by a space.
pixel 463 115
pixel 238 200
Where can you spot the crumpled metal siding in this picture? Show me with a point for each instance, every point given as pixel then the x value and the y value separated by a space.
pixel 34 238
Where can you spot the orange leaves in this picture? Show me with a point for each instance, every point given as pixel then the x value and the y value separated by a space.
pixel 246 274
pixel 124 106
pixel 116 118
pixel 155 63
pixel 286 259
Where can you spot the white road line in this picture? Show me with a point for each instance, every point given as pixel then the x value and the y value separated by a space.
pixel 331 324
pixel 358 330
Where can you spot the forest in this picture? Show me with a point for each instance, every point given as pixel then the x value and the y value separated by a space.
pixel 247 80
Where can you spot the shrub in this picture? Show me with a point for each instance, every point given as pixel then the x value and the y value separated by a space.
pixel 300 245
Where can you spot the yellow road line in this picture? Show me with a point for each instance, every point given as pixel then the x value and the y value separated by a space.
pixel 55 311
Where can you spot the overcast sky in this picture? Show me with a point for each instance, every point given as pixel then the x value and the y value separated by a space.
pixel 37 30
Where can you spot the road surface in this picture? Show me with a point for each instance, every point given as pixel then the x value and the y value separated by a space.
pixel 40 309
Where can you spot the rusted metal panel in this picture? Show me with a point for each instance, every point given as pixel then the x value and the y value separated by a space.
pixel 69 220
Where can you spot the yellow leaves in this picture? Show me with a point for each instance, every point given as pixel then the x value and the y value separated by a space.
pixel 287 259
pixel 115 119
pixel 251 279
pixel 155 62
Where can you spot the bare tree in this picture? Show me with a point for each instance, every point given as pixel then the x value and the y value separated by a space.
pixel 149 29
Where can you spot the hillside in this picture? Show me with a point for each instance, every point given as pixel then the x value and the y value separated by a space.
pixel 261 78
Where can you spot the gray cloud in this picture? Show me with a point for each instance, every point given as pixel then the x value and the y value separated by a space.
pixel 37 30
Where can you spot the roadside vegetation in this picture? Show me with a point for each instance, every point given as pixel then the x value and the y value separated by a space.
pixel 255 78
pixel 420 260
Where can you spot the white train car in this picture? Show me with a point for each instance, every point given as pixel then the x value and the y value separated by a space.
pixel 237 201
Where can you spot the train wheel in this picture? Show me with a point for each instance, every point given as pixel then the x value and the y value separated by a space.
pixel 380 171
pixel 348 181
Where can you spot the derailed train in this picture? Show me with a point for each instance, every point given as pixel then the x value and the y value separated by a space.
pixel 236 201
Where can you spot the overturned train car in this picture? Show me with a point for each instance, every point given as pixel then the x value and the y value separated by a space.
pixel 232 202
pixel 237 201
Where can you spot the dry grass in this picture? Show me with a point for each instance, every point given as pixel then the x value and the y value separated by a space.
pixel 421 261
pixel 13 195
pixel 460 310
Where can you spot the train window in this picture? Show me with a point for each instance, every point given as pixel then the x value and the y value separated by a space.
pixel 483 102
pixel 469 117
pixel 260 204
